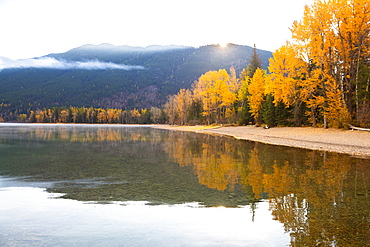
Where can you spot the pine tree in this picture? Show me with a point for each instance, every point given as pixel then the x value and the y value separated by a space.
pixel 254 63
pixel 268 112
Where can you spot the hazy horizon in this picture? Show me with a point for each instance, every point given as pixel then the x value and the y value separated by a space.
pixel 44 27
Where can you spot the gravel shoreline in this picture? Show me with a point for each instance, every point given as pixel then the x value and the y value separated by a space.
pixel 353 142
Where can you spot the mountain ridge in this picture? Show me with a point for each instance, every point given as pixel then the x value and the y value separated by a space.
pixel 166 69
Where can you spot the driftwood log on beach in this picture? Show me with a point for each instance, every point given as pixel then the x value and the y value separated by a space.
pixel 357 128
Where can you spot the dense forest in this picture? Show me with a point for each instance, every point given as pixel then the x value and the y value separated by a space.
pixel 320 78
pixel 92 115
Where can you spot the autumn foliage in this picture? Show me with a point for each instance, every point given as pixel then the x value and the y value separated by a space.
pixel 93 115
pixel 321 77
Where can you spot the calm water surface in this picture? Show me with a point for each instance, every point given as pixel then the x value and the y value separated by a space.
pixel 111 185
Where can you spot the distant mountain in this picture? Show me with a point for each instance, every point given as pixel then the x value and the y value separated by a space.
pixel 110 76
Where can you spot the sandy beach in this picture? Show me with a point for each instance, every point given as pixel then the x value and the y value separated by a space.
pixel 353 142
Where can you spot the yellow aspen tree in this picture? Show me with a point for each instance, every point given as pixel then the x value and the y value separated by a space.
pixel 285 69
pixel 335 112
pixel 22 117
pixel 31 118
pixel 135 113
pixel 219 93
pixel 333 38
pixel 90 114
pixel 49 115
pixel 320 47
pixel 201 90
pixel 301 43
pixel 63 116
pixel 40 116
pixel 102 116
pixel 352 28
pixel 119 116
pixel 112 115
pixel 227 99
pixel 213 90
pixel 171 108
pixel 74 111
pixel 183 101
pixel 256 91
pixel 285 83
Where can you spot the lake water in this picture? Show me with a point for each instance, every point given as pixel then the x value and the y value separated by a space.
pixel 112 185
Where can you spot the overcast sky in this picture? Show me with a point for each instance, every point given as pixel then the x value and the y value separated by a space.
pixel 39 27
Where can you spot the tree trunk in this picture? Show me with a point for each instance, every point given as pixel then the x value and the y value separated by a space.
pixel 313 117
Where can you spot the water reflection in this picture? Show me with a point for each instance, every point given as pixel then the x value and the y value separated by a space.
pixel 322 199
pixel 76 133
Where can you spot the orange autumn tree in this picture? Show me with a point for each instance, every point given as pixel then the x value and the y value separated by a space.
pixel 256 90
pixel 285 83
pixel 183 101
pixel 171 108
pixel 217 93
pixel 333 39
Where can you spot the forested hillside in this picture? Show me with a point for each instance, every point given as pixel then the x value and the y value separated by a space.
pixel 163 71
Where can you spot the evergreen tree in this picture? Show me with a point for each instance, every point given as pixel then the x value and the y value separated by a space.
pixel 254 63
pixel 268 111
pixel 282 114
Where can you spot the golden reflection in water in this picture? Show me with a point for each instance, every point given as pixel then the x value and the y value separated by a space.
pixel 322 199
pixel 214 163
pixel 255 173
pixel 77 134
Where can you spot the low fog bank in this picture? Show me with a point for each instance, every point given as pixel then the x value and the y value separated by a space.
pixel 52 63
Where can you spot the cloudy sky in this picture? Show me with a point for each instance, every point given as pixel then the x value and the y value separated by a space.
pixel 39 27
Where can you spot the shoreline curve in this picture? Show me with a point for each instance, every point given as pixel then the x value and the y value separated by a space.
pixel 352 142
